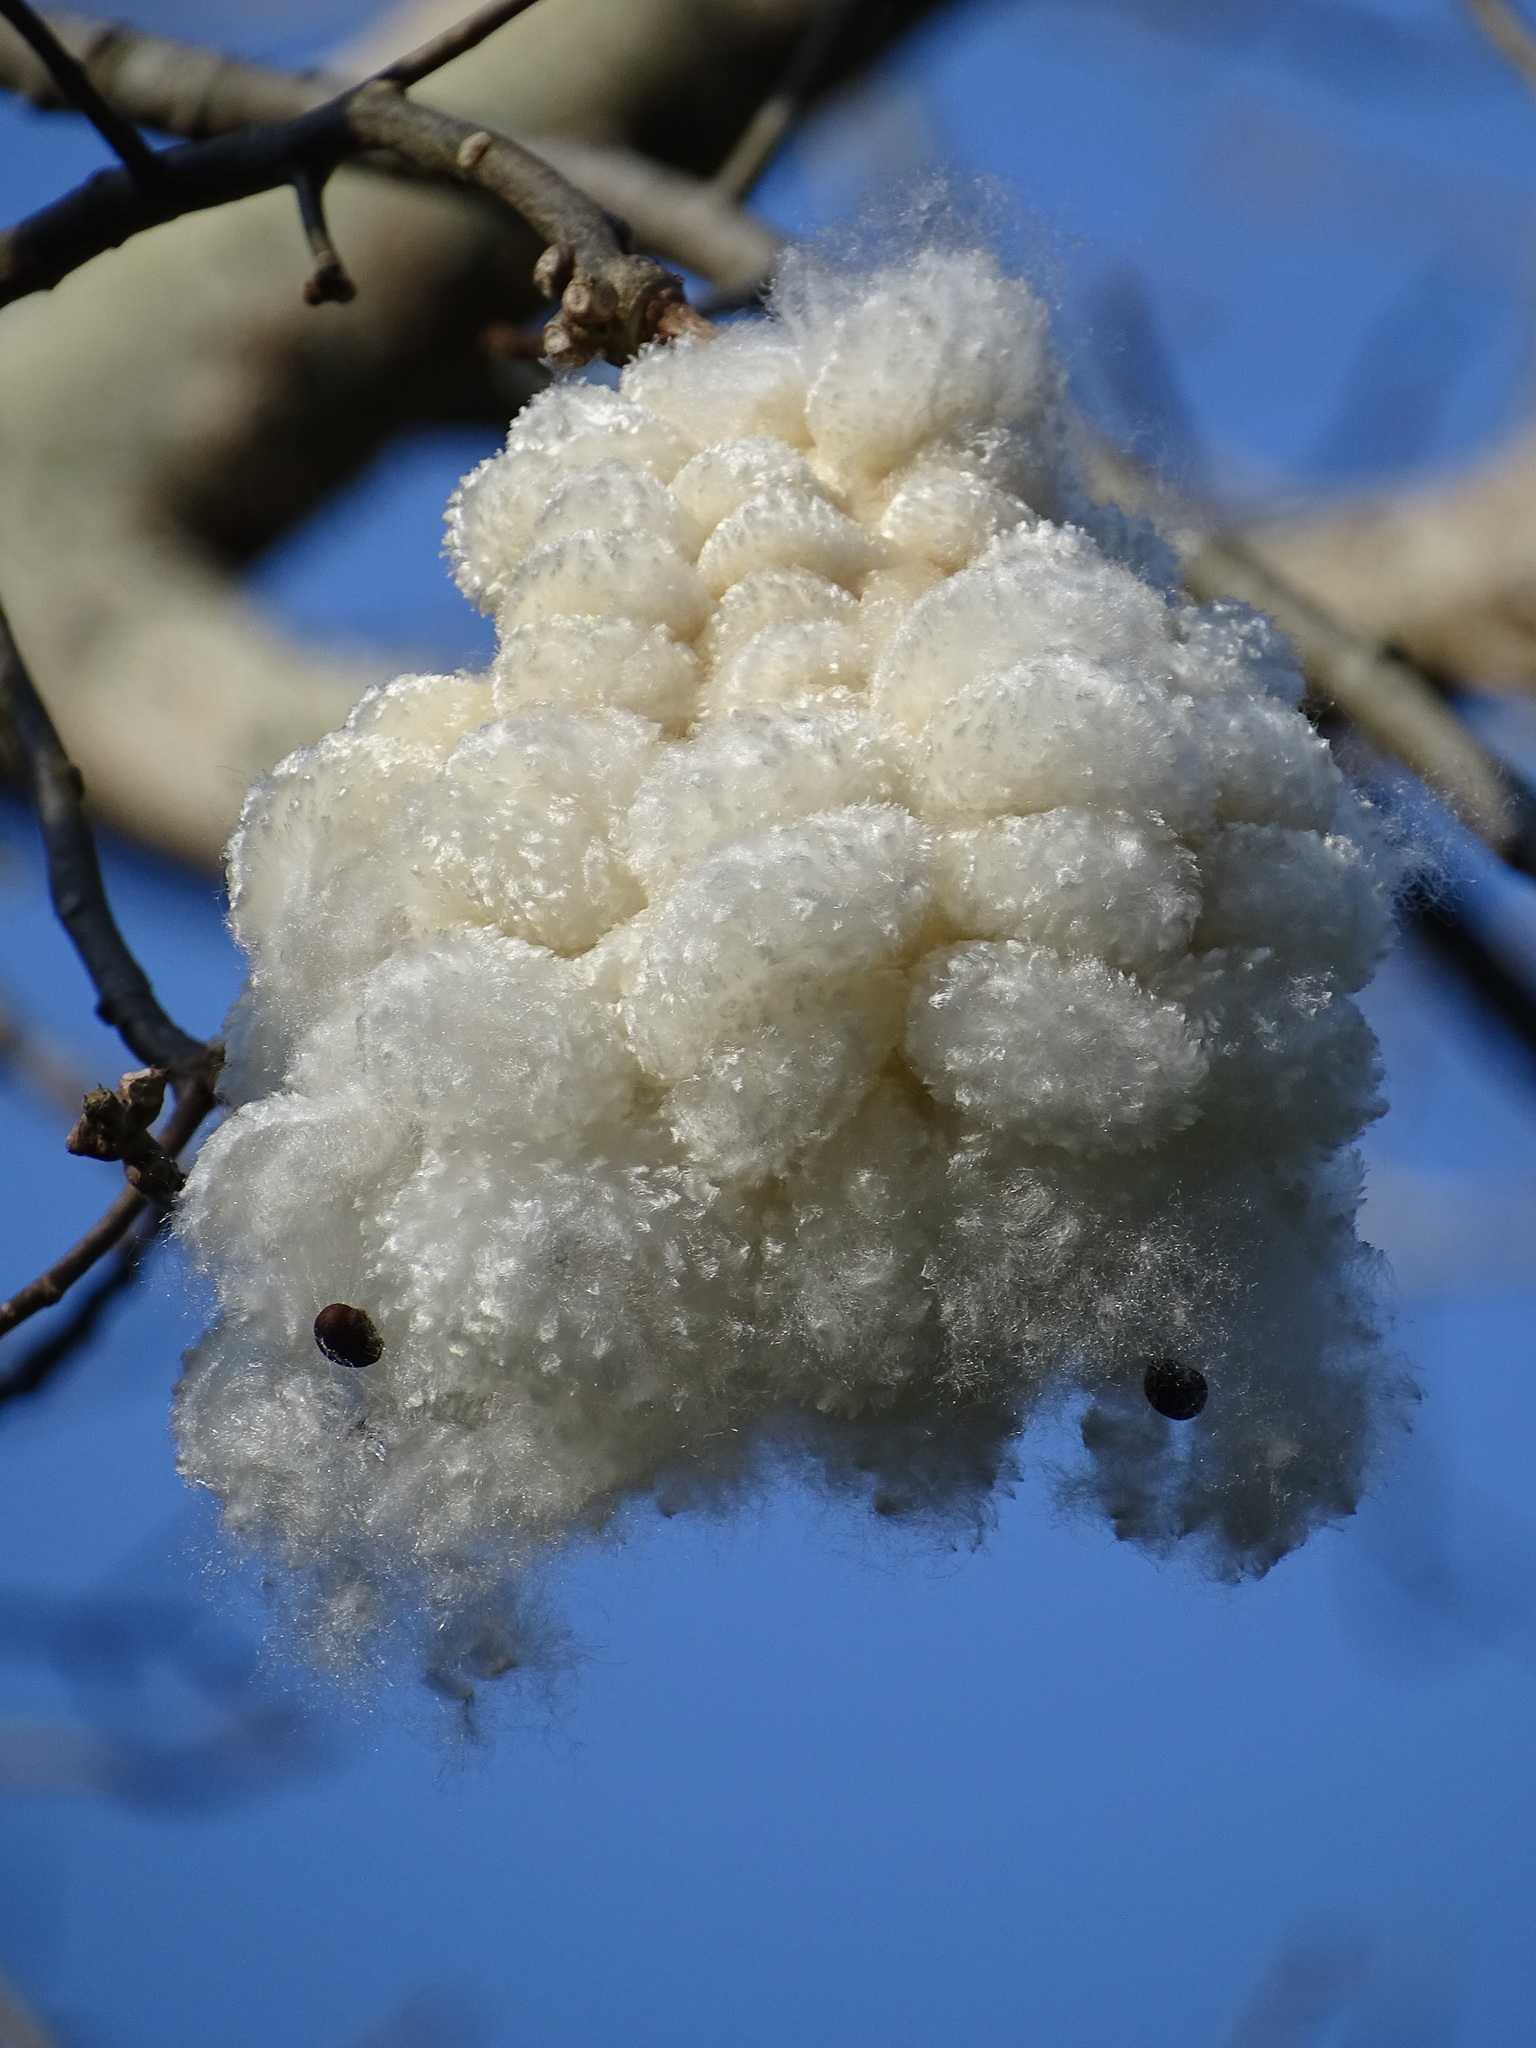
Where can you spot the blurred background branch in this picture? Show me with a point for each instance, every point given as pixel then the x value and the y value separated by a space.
pixel 175 409
pixel 247 411
pixel 1397 702
pixel 169 1707
pixel 19 2025
pixel 40 1064
pixel 123 1251
pixel 1507 32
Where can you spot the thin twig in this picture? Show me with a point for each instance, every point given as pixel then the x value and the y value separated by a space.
pixel 175 88
pixel 803 76
pixel 194 94
pixel 74 85
pixel 614 303
pixel 51 1287
pixel 453 42
pixel 127 1001
pixel 328 282
pixel 683 218
pixel 196 1101
pixel 1511 36
pixel 48 1357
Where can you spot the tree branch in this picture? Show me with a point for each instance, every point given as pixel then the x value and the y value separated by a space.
pixel 328 282
pixel 127 1001
pixel 177 88
pixel 613 303
pixel 453 42
pixel 813 58
pixel 195 94
pixel 132 76
pixel 685 219
pixel 196 1100
pixel 133 489
pixel 38 1365
pixel 74 86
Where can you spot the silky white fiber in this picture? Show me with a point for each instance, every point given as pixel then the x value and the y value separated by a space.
pixel 867 962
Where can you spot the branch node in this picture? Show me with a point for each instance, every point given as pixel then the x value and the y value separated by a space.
pixel 328 283
pixel 114 1124
pixel 195 1099
pixel 471 149
pixel 554 269
pixel 589 301
pixel 154 1174
pixel 561 348
pixel 676 320
pixel 112 1119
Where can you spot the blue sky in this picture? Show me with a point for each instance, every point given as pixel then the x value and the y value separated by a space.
pixel 798 1786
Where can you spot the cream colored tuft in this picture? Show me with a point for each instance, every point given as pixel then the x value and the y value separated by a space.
pixel 868 960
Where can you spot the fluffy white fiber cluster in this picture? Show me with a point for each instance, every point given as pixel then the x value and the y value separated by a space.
pixel 868 958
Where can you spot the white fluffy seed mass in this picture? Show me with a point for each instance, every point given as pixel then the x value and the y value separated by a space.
pixel 866 961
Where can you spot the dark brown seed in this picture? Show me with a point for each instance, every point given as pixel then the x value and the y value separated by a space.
pixel 1175 1390
pixel 347 1336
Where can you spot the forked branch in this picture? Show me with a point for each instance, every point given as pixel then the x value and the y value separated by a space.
pixel 613 302
pixel 60 1347
pixel 182 90
pixel 50 1288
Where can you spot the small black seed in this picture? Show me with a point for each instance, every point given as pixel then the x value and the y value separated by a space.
pixel 347 1336
pixel 1174 1389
